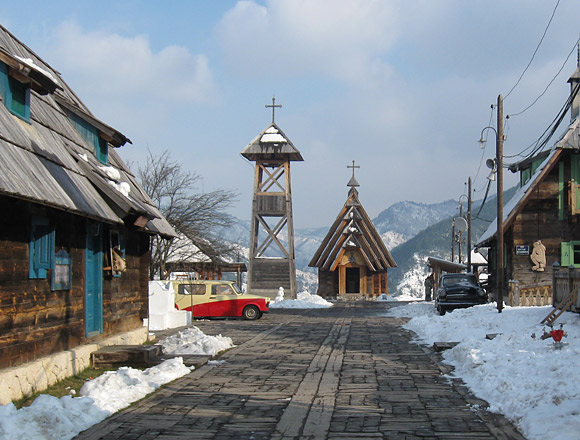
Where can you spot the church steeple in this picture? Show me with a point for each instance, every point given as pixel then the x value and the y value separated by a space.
pixel 353 183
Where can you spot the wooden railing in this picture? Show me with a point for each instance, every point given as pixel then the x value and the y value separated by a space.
pixel 557 293
pixel 564 281
pixel 533 295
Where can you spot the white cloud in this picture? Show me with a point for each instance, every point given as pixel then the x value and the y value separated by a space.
pixel 344 39
pixel 127 66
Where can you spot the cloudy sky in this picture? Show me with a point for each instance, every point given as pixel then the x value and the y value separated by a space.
pixel 403 87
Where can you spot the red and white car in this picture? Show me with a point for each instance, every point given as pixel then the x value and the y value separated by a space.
pixel 218 298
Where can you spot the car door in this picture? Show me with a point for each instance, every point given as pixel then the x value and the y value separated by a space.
pixel 193 297
pixel 223 301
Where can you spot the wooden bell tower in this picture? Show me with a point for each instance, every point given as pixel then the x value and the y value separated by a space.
pixel 272 261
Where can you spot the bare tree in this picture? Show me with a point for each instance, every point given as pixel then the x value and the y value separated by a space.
pixel 194 215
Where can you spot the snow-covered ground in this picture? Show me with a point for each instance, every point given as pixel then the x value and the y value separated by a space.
pixel 520 375
pixel 51 418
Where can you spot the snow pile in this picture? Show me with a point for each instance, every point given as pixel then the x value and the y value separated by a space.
pixel 115 390
pixel 525 378
pixel 193 341
pixel 304 301
pixel 51 418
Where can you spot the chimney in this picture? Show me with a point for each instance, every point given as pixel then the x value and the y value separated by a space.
pixel 574 84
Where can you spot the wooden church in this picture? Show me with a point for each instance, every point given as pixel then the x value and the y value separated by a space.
pixel 352 260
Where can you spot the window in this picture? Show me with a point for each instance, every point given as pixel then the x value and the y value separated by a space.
pixel 570 254
pixel 117 247
pixel 525 176
pixel 527 173
pixel 16 95
pixel 41 247
pixel 191 289
pixel 91 135
pixel 222 289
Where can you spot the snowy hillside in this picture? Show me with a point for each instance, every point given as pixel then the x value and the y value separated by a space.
pixel 407 219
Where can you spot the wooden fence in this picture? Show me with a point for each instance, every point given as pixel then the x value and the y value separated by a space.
pixel 565 280
pixel 533 295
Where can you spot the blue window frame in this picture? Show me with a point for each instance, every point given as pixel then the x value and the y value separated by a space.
pixel 41 247
pixel 91 135
pixel 16 95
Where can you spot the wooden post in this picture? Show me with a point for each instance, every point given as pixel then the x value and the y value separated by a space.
pixel 555 271
pixel 499 165
pixel 469 225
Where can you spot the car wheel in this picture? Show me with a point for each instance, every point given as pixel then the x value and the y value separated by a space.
pixel 251 312
pixel 441 310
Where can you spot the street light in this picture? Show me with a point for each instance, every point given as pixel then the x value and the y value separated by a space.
pixel 499 172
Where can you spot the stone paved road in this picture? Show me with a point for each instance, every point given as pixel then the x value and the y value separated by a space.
pixel 341 373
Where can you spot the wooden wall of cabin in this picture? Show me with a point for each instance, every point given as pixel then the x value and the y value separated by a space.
pixel 36 321
pixel 377 283
pixel 539 220
pixel 327 284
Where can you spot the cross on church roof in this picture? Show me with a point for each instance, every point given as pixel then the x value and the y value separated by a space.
pixel 273 106
pixel 353 182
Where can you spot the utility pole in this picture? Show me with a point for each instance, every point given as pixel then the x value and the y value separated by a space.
pixel 452 240
pixel 499 165
pixel 460 233
pixel 469 225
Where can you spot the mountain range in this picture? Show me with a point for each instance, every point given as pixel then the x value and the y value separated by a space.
pixel 411 231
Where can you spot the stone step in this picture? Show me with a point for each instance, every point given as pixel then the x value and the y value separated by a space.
pixel 126 355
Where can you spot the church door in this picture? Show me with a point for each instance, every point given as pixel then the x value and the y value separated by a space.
pixel 352 280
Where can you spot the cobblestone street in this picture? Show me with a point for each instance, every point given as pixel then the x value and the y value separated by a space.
pixel 341 373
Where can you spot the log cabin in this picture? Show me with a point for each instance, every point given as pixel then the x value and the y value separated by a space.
pixel 541 222
pixel 352 260
pixel 75 228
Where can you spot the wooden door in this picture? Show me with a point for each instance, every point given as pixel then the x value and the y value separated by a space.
pixel 352 280
pixel 93 280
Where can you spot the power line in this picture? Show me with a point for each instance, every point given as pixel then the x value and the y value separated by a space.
pixel 545 137
pixel 550 83
pixel 535 51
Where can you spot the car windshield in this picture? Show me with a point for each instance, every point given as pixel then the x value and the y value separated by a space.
pixel 452 281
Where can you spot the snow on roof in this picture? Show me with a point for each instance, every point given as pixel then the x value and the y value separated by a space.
pixel 273 137
pixel 477 258
pixel 30 63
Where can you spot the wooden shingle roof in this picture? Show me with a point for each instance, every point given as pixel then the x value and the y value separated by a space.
pixel 47 161
pixel 273 144
pixel 353 230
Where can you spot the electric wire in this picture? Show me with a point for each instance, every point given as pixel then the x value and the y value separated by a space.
pixel 484 200
pixel 550 83
pixel 539 144
pixel 535 51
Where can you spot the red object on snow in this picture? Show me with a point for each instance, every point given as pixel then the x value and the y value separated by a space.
pixel 557 335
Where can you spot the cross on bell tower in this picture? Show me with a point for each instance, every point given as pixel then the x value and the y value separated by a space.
pixel 272 260
pixel 274 106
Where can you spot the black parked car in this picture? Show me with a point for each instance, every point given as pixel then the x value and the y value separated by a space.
pixel 458 290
